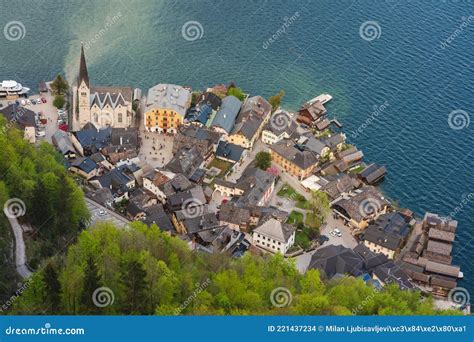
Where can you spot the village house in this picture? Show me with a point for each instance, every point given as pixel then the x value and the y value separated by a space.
pixel 186 161
pixel 156 215
pixel 235 217
pixel 203 112
pixel 335 142
pixel 67 144
pixel 118 181
pixel 221 240
pixel 154 179
pixel 21 118
pixel 429 261
pixel 274 236
pixel 336 261
pixel 204 139
pixel 103 106
pixel 387 234
pixel 337 185
pixel 311 113
pixel 361 206
pixel 230 152
pixel 84 167
pixel 253 115
pixel 274 131
pixel 299 162
pixel 166 108
pixel 254 188
pixel 373 174
pixel 350 155
pixel 224 119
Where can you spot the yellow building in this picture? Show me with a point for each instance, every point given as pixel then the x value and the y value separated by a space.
pixel 166 108
pixel 300 164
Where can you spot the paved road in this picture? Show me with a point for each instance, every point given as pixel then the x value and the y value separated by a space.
pixel 100 213
pixel 20 255
pixel 346 240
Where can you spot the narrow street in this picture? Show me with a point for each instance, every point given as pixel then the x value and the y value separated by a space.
pixel 20 254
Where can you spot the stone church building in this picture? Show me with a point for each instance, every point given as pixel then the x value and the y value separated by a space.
pixel 101 106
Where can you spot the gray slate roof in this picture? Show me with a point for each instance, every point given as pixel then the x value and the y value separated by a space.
pixel 226 115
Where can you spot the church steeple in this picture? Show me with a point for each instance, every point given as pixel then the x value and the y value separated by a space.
pixel 83 75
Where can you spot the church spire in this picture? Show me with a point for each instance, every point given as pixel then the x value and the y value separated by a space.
pixel 83 75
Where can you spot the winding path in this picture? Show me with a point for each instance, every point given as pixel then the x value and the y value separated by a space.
pixel 20 255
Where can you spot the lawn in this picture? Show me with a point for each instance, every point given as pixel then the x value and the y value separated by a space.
pixel 302 240
pixel 295 218
pixel 220 164
pixel 288 192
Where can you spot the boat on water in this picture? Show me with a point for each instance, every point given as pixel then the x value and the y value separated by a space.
pixel 323 98
pixel 12 89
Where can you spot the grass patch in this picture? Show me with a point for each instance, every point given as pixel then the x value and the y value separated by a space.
pixel 312 221
pixel 302 240
pixel 220 164
pixel 288 192
pixel 295 218
pixel 357 169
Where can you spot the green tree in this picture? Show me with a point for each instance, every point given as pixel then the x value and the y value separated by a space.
pixel 275 100
pixel 59 86
pixel 319 205
pixel 91 284
pixel 235 91
pixel 59 101
pixel 263 160
pixel 134 283
pixel 52 285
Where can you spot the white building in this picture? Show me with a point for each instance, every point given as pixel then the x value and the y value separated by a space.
pixel 281 126
pixel 274 236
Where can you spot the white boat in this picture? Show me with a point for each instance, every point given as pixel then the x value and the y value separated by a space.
pixel 323 98
pixel 12 88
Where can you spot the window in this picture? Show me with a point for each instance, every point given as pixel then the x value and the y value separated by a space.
pixel 119 117
pixel 96 117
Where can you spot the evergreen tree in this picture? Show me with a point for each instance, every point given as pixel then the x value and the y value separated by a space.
pixel 91 283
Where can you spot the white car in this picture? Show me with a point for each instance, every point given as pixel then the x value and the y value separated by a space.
pixel 40 134
pixel 102 212
pixel 337 232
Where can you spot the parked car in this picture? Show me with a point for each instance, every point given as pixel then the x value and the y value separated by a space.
pixel 40 134
pixel 337 232
pixel 43 100
pixel 102 212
